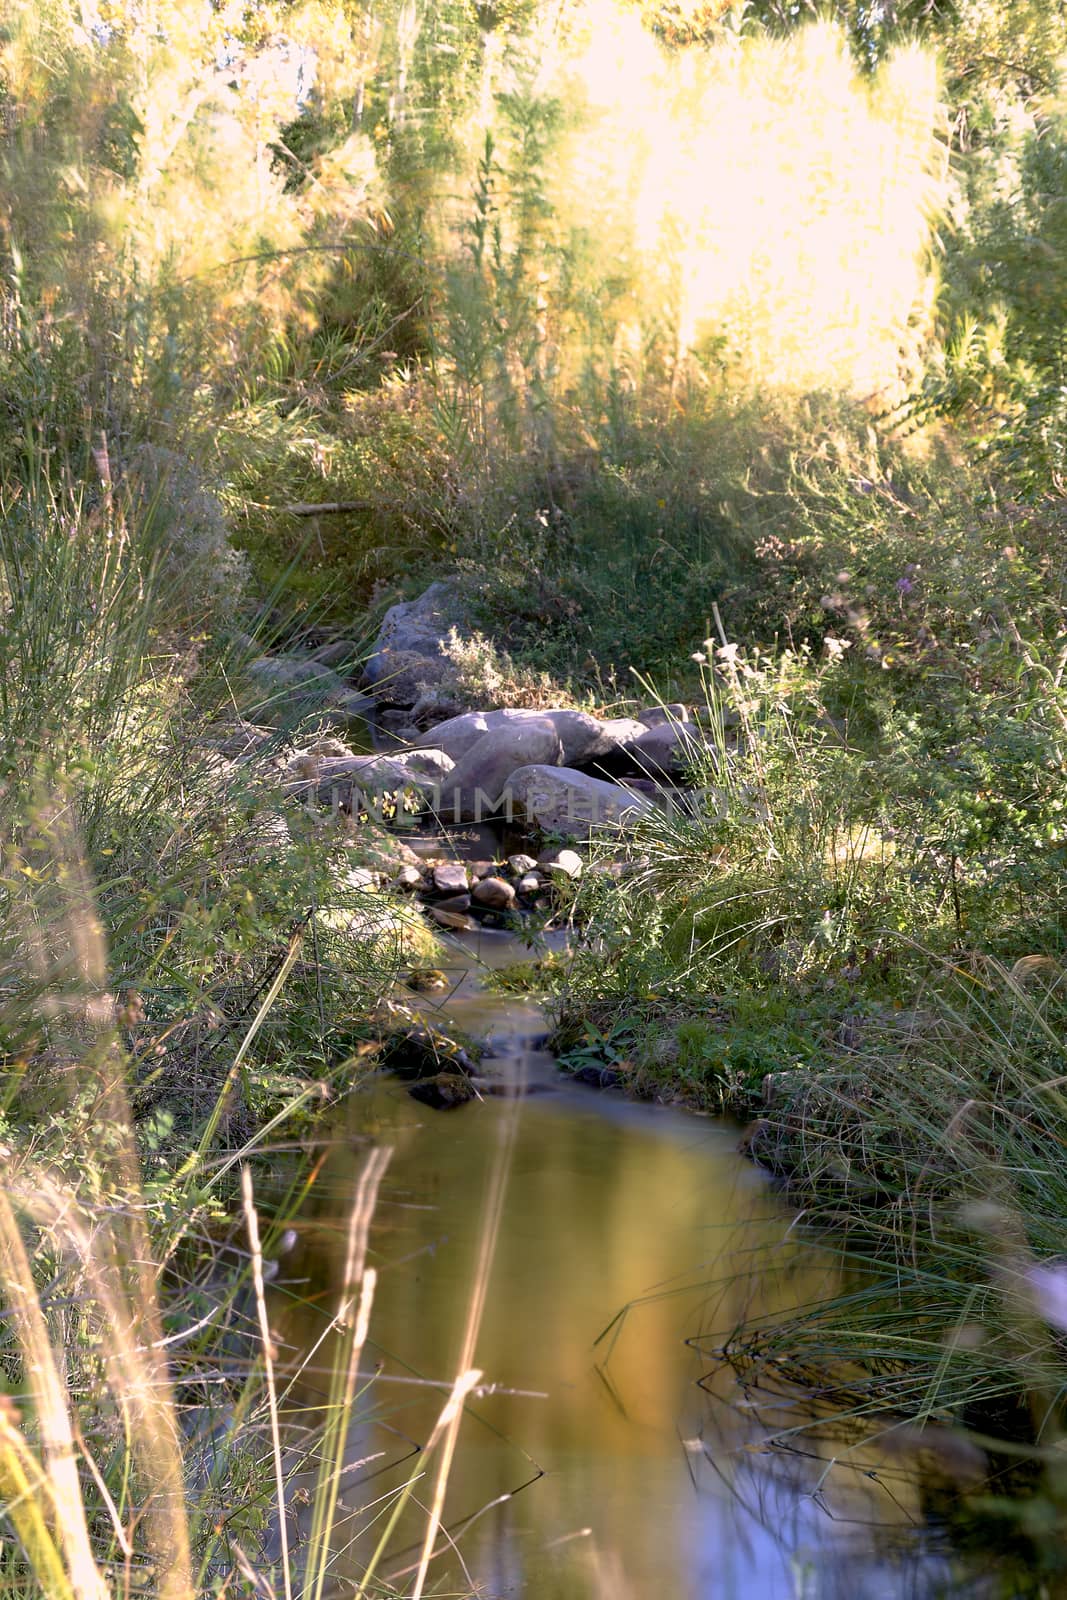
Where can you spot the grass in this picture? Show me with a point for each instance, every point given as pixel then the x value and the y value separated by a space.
pixel 937 1166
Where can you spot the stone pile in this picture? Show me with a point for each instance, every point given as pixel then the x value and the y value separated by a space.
pixel 460 895
pixel 561 770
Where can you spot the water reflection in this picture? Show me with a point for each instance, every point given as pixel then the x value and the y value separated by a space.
pixel 595 1464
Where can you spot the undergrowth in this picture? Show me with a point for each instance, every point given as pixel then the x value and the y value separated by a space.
pixel 851 930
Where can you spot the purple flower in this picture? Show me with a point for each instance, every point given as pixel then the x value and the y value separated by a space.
pixel 904 586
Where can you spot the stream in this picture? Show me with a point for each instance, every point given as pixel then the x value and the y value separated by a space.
pixel 605 1457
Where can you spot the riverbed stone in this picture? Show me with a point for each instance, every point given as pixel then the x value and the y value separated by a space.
pixel 370 845
pixel 494 893
pixel 455 902
pixel 432 764
pixel 621 731
pixel 439 1072
pixel 450 877
pixel 477 784
pixel 456 735
pixel 397 723
pixel 403 677
pixel 598 1077
pixel 582 736
pixel 670 748
pixel 426 980
pixel 337 653
pixel 408 877
pixel 328 746
pixel 561 863
pixel 340 780
pixel 424 624
pixel 571 802
pixel 285 688
pixel 457 921
pixel 529 885
pixel 281 672
pixel 664 716
pixel 445 1092
pixel 397 933
pixel 239 740
pixel 410 653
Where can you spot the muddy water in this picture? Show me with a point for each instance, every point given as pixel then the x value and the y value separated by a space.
pixel 604 1457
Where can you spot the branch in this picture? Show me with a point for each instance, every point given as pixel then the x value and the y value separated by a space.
pixel 341 246
pixel 322 508
pixel 1016 67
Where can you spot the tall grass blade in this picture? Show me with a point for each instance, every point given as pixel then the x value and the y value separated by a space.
pixel 266 1338
pixel 352 1320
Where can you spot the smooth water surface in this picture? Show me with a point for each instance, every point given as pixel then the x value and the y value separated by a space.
pixel 595 1463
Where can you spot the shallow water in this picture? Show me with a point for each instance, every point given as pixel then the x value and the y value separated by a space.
pixel 597 1463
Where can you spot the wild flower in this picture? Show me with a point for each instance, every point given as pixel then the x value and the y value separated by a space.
pixel 1049 1285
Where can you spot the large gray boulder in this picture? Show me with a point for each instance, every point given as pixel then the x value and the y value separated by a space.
pixel 409 655
pixel 402 677
pixel 456 736
pixel 582 737
pixel 341 780
pixel 620 731
pixel 477 784
pixel 570 802
pixel 433 764
pixel 669 749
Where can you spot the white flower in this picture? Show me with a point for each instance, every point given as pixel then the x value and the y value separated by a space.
pixel 834 649
pixel 699 657
pixel 727 654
